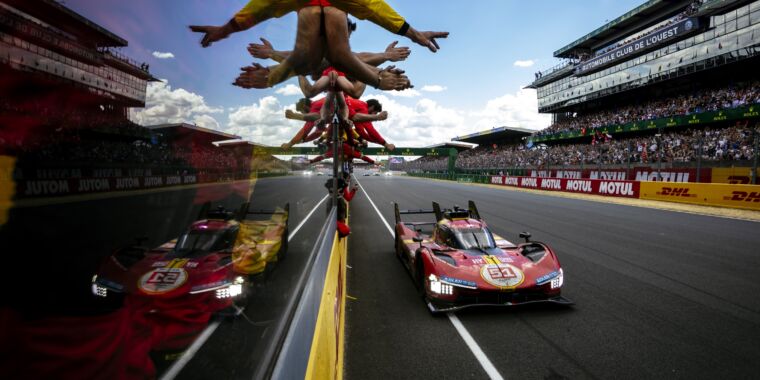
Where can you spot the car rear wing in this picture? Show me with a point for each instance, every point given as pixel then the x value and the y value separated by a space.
pixel 439 214
pixel 241 212
pixel 398 214
pixel 244 211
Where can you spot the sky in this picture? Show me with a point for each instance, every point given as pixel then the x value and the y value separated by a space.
pixel 474 83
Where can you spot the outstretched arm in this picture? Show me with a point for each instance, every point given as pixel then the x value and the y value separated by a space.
pixel 363 117
pixel 391 53
pixel 255 12
pixel 382 14
pixel 265 50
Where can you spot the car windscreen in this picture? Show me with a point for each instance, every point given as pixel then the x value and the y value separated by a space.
pixel 194 242
pixel 474 238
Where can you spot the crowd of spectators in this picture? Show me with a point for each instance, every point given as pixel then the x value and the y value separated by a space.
pixel 85 148
pixel 726 144
pixel 697 102
pixel 733 143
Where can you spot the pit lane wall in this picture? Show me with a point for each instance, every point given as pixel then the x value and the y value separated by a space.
pixel 326 358
pixel 707 194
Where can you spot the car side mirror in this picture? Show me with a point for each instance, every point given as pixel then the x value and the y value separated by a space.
pixel 417 239
pixel 526 236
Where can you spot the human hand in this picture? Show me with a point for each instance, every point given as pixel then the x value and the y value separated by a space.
pixel 285 146
pixel 391 78
pixel 254 76
pixel 289 114
pixel 395 54
pixel 211 33
pixel 427 38
pixel 263 50
pixel 382 116
pixel 390 147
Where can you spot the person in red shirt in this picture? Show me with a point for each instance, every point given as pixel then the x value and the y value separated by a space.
pixel 308 112
pixel 363 114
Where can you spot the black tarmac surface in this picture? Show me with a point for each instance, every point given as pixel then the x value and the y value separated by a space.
pixel 658 294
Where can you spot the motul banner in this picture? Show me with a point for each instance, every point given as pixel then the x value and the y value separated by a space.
pixel 644 173
pixel 613 188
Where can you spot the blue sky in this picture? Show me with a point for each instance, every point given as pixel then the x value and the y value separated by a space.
pixel 475 68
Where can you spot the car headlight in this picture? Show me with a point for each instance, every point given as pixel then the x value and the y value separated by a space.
pixel 558 281
pixel 101 286
pixel 231 291
pixel 100 291
pixel 224 289
pixel 439 287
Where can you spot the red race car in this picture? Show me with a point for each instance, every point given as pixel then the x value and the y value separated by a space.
pixel 205 269
pixel 461 263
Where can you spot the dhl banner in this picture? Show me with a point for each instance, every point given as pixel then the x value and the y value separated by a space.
pixel 709 194
pixel 740 176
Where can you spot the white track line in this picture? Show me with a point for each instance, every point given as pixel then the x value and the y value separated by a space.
pixel 307 218
pixel 180 364
pixel 493 374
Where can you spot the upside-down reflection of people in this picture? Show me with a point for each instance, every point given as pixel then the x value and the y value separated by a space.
pixel 322 33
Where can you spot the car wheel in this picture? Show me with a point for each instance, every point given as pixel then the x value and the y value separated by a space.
pixel 420 277
pixel 283 246
pixel 399 248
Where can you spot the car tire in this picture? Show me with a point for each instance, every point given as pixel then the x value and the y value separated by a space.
pixel 419 280
pixel 283 246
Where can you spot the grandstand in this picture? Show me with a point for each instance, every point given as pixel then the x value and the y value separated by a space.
pixel 67 121
pixel 670 85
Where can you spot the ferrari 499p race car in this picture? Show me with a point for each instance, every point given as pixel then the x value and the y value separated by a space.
pixel 463 264
pixel 206 267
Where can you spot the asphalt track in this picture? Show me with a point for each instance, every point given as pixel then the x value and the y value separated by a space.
pixel 659 294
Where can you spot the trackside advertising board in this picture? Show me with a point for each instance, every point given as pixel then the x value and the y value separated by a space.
pixel 709 194
pixel 627 189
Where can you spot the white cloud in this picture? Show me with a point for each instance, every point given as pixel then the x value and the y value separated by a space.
pixel 525 63
pixel 206 121
pixel 165 105
pixel 513 110
pixel 428 122
pixel 425 123
pixel 433 88
pixel 408 93
pixel 289 90
pixel 162 55
pixel 263 122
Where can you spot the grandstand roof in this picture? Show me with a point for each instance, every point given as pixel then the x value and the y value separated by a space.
pixel 646 11
pixel 495 135
pixel 456 145
pixel 238 142
pixel 65 19
pixel 184 128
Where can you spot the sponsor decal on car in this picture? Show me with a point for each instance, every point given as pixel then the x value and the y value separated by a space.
pixel 502 275
pixel 162 280
pixel 456 281
pixel 546 278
